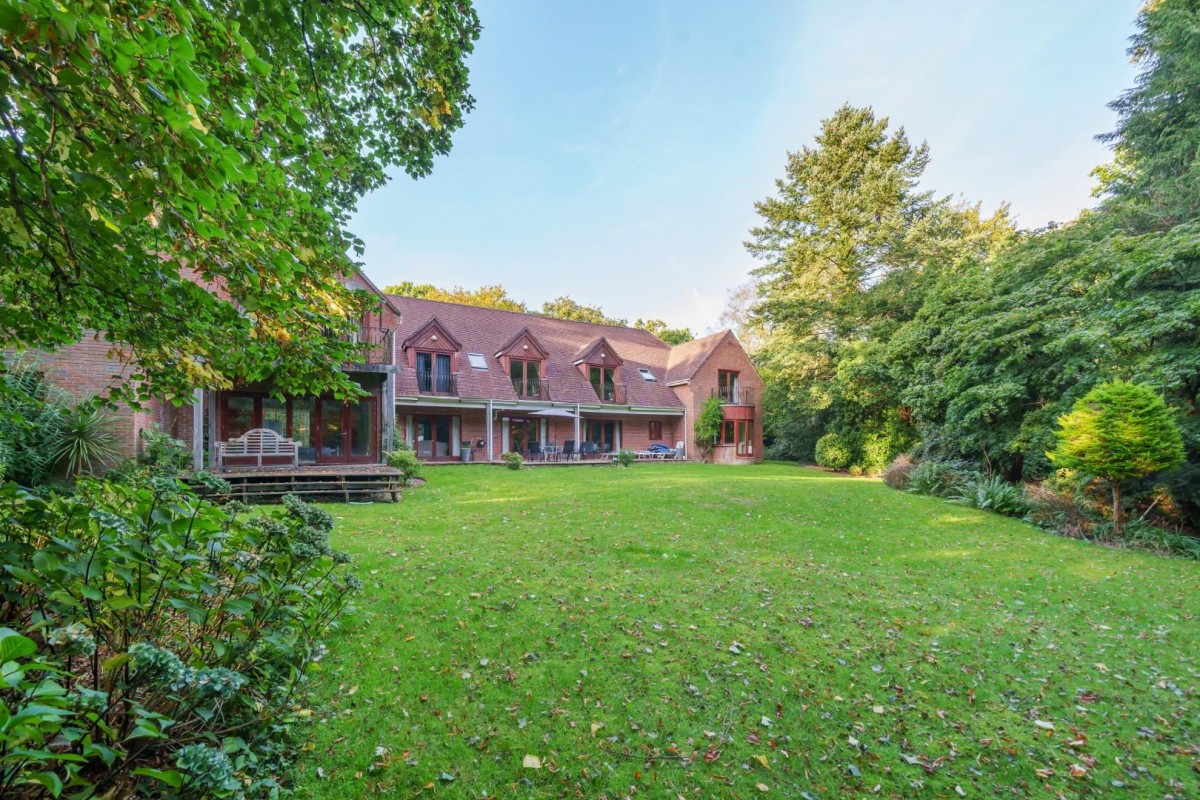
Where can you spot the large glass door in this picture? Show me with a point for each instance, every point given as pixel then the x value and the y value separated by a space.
pixel 347 431
pixel 432 435
pixel 604 434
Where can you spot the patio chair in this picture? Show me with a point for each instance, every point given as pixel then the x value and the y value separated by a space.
pixel 568 451
pixel 588 450
pixel 535 451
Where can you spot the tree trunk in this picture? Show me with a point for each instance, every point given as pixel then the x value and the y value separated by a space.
pixel 1116 494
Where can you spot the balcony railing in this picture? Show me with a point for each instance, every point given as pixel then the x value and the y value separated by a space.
pixel 435 382
pixel 611 393
pixel 374 345
pixel 734 395
pixel 532 388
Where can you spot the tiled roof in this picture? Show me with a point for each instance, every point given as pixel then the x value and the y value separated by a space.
pixel 687 358
pixel 488 330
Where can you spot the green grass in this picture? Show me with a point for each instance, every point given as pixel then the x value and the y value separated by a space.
pixel 586 617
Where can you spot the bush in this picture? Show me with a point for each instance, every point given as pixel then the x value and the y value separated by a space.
pixel 940 478
pixel 407 462
pixel 992 493
pixel 31 412
pixel 878 450
pixel 513 460
pixel 164 453
pixel 896 475
pixel 708 426
pixel 157 641
pixel 1152 537
pixel 85 440
pixel 624 458
pixel 834 451
pixel 856 471
pixel 1051 510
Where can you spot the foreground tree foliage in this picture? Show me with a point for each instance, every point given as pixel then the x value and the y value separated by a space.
pixel 143 145
pixel 893 318
pixel 1118 431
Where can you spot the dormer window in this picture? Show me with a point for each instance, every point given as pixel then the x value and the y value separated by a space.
pixel 433 355
pixel 434 373
pixel 604 382
pixel 526 377
pixel 525 360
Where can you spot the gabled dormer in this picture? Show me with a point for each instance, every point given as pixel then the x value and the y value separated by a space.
pixel 600 364
pixel 433 352
pixel 598 352
pixel 523 359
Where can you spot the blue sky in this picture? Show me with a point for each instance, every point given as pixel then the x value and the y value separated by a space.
pixel 617 148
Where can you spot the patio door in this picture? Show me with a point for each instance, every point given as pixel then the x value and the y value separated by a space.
pixel 433 436
pixel 347 431
pixel 604 434
pixel 522 432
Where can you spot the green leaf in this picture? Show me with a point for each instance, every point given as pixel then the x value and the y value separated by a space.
pixel 49 780
pixel 113 663
pixel 121 602
pixel 171 777
pixel 13 645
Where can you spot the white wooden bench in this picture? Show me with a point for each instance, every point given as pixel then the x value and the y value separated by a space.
pixel 256 444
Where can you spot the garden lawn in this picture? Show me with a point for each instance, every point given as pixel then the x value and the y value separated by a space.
pixel 761 631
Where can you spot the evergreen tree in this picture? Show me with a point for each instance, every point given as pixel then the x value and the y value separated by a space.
pixel 1156 177
pixel 850 242
pixel 1115 432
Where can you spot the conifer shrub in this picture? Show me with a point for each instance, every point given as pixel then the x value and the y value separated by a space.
pixel 1116 432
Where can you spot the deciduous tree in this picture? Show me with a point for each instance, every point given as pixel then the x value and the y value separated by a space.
pixel 144 145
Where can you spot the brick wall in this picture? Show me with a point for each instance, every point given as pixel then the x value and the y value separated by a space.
pixel 88 368
pixel 635 429
pixel 729 355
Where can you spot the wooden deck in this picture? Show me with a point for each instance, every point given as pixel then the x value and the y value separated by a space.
pixel 337 482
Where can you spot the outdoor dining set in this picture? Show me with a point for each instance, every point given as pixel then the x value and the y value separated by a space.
pixel 551 451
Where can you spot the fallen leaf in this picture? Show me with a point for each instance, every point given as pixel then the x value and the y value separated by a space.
pixel 531 762
pixel 761 761
pixel 762 787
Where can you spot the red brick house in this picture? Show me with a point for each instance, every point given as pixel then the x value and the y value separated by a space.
pixel 487 378
pixel 441 374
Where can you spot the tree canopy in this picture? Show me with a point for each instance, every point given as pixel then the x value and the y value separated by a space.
pixel 147 150
pixel 495 296
pixel 567 308
pixel 886 313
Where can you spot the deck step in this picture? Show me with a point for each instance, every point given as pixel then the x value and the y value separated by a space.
pixel 268 486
